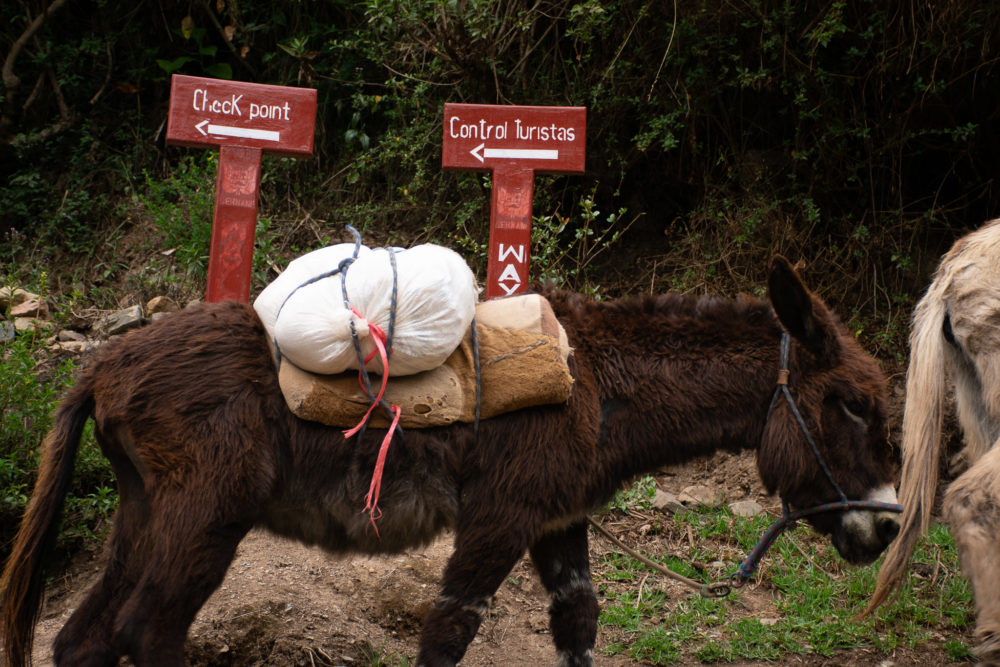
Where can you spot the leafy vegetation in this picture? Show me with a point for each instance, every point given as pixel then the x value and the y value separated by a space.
pixel 33 381
pixel 854 136
pixel 844 133
pixel 806 600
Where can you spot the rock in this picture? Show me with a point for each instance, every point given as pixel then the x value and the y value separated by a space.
pixel 666 502
pixel 7 332
pixel 76 322
pixel 746 508
pixel 120 321
pixel 75 346
pixel 161 304
pixel 158 316
pixel 701 495
pixel 70 335
pixel 34 307
pixel 10 297
pixel 30 324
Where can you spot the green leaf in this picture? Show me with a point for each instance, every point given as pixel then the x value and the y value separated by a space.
pixel 220 70
pixel 171 66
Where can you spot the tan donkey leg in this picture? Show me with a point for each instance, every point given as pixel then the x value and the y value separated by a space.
pixel 972 509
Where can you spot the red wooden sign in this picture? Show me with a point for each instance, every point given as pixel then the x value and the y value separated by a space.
pixel 513 142
pixel 215 112
pixel 244 120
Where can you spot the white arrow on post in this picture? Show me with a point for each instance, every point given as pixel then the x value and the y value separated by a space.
pixel 244 132
pixel 514 153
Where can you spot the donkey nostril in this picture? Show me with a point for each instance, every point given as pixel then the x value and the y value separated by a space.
pixel 887 528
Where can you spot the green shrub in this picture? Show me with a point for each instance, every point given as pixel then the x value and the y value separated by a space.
pixel 33 382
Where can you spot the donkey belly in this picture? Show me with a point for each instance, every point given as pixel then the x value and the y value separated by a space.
pixel 411 512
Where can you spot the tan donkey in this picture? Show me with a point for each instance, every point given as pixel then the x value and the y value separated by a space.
pixel 956 333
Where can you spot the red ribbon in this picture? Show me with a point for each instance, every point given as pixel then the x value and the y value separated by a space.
pixel 371 500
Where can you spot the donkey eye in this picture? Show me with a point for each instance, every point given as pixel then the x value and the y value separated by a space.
pixel 854 411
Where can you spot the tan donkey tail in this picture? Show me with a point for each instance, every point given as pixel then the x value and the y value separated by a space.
pixel 922 417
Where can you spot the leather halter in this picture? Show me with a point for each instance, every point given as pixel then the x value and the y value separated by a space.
pixel 788 517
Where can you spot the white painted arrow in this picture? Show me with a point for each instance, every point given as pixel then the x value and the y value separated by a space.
pixel 514 153
pixel 243 132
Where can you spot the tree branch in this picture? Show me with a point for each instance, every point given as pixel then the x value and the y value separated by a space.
pixel 10 80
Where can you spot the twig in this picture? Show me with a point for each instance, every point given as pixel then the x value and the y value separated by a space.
pixel 638 598
pixel 107 76
pixel 937 567
pixel 696 585
pixel 607 70
pixel 808 557
pixel 222 32
pixel 673 29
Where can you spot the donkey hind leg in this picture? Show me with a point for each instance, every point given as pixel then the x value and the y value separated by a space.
pixel 187 563
pixel 563 563
pixel 479 564
pixel 87 638
pixel 972 508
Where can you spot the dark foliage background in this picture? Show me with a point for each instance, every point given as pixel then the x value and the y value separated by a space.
pixel 858 137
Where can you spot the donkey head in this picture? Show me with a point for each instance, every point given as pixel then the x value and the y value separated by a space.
pixel 840 393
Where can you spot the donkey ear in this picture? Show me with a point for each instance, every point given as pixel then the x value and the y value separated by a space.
pixel 795 308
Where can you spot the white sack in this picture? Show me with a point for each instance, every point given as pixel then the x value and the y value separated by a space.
pixel 435 304
pixel 298 271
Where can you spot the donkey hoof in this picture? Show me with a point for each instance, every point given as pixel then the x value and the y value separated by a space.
pixel 987 652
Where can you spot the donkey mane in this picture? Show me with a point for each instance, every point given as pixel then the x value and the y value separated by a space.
pixel 679 310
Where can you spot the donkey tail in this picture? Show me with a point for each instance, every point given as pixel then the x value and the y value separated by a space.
pixel 24 576
pixel 922 417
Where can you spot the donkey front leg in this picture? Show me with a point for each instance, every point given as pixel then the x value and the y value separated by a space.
pixel 563 562
pixel 972 508
pixel 479 564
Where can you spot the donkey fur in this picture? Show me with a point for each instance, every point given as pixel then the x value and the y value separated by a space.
pixel 189 413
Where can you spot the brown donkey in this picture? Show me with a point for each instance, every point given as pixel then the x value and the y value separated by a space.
pixel 189 413
pixel 956 332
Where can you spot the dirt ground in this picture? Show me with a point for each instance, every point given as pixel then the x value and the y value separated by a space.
pixel 285 604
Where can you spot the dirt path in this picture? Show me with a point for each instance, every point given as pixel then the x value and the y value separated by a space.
pixel 285 604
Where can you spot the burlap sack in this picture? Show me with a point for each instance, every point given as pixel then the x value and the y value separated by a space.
pixel 519 368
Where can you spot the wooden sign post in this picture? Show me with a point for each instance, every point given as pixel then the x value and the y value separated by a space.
pixel 512 142
pixel 243 120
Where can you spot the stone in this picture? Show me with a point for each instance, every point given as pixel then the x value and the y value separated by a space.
pixel 699 495
pixel 120 321
pixel 35 307
pixel 746 508
pixel 30 324
pixel 75 346
pixel 161 304
pixel 7 332
pixel 13 296
pixel 666 501
pixel 70 335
